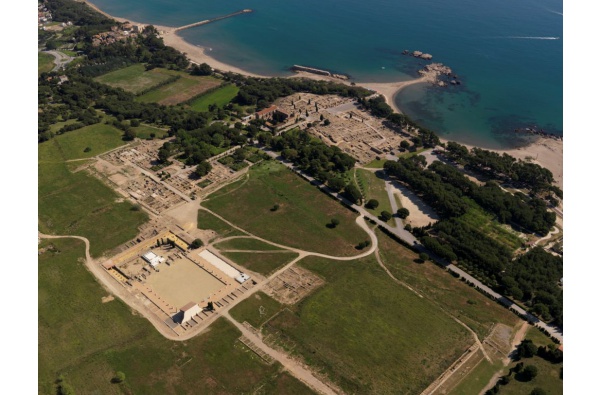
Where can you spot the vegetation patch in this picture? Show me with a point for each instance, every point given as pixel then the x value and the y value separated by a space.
pixel 149 132
pixel 207 221
pixel 89 349
pixel 84 143
pixel 301 217
pixel 263 263
pixel 45 63
pixel 372 186
pixel 361 323
pixel 219 98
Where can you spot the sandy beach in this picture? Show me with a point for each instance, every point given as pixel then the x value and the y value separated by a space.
pixel 546 152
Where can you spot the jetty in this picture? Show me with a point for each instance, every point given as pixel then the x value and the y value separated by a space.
pixel 204 22
pixel 318 72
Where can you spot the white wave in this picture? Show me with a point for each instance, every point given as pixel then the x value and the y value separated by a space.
pixel 532 38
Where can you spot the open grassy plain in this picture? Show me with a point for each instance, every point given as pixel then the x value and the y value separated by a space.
pixel 372 186
pixel 256 310
pixel 144 131
pixel 207 221
pixel 45 63
pixel 77 203
pixel 134 79
pixel 219 97
pixel 87 341
pixel 99 138
pixel 301 218
pixel 263 263
pixel 184 88
pixel 246 243
pixel 462 301
pixel 366 333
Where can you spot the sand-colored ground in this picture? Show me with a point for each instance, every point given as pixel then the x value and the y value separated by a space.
pixel 420 213
pixel 182 282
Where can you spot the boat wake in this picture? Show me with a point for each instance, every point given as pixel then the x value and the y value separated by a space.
pixel 533 38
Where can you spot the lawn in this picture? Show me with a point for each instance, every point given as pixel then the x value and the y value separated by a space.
pixel 376 164
pixel 477 379
pixel 45 63
pixel 301 217
pixel 462 301
pixel 87 341
pixel 368 334
pixel 79 204
pixel 246 243
pixel 548 378
pixel 144 131
pixel 134 79
pixel 257 309
pixel 185 88
pixel 263 263
pixel 72 145
pixel 372 186
pixel 219 97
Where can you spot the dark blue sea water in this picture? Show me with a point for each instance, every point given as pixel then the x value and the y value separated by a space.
pixel 507 53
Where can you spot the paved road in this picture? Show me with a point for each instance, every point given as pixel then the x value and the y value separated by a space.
pixel 60 59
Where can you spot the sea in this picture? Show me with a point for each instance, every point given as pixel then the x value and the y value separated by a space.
pixel 507 54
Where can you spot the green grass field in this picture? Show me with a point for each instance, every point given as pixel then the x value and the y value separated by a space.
pixel 144 131
pixel 71 145
pixel 462 301
pixel 376 164
pixel 368 334
pixel 134 79
pixel 220 97
pixel 302 216
pixel 87 341
pixel 257 309
pixel 45 63
pixel 477 379
pixel 207 221
pixel 485 222
pixel 548 378
pixel 77 203
pixel 246 243
pixel 263 263
pixel 185 88
pixel 372 185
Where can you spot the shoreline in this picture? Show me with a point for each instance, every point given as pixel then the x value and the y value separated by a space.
pixel 545 151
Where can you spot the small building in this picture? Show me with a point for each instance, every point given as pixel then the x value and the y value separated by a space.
pixel 272 113
pixel 152 258
pixel 189 310
pixel 242 278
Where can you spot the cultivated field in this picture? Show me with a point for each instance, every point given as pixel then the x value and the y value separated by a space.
pixel 263 263
pixel 219 97
pixel 79 204
pixel 184 88
pixel 87 341
pixel 99 138
pixel 462 301
pixel 299 221
pixel 134 79
pixel 366 333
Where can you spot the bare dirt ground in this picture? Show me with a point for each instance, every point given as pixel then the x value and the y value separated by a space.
pixel 420 213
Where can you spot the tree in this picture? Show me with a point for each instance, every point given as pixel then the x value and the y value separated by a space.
pixel 134 123
pixel 202 69
pixel 529 372
pixel 518 367
pixel 321 117
pixel 408 227
pixel 119 377
pixel 334 222
pixel 537 391
pixel 336 184
pixel 372 204
pixel 423 256
pixel 163 155
pixel 275 207
pixel 386 216
pixel 129 135
pixel 404 144
pixel 197 243
pixel 203 169
pixel 353 194
pixel 402 212
pixel 327 122
pixel 526 349
pixel 87 149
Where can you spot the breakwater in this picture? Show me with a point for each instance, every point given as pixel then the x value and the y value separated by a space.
pixel 204 22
